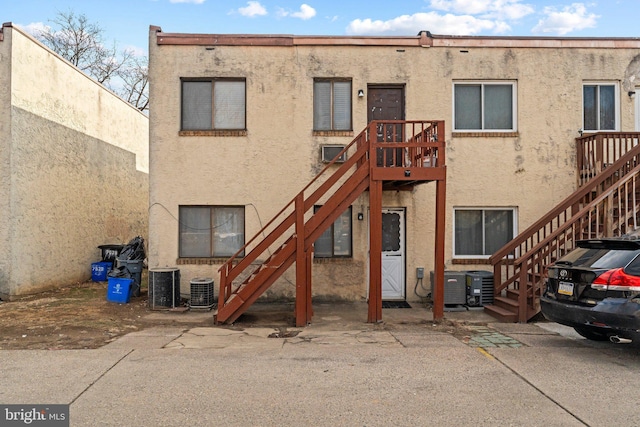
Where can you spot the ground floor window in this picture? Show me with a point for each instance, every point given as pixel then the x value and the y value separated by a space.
pixel 335 242
pixel 480 232
pixel 211 231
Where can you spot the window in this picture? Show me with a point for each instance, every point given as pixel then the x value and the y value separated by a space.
pixel 479 233
pixel 484 106
pixel 331 104
pixel 335 242
pixel 600 106
pixel 213 104
pixel 211 231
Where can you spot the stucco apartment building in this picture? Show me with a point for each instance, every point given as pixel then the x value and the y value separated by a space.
pixel 239 124
pixel 74 165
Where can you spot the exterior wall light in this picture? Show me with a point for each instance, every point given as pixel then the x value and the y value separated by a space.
pixel 360 93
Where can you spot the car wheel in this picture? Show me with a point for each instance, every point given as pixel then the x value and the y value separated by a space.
pixel 592 335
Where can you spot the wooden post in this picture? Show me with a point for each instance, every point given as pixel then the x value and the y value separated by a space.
pixel 438 291
pixel 375 251
pixel 309 305
pixel 301 265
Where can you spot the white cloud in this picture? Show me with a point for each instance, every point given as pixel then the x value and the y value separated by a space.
pixel 570 18
pixel 34 28
pixel 187 1
pixel 432 21
pixel 306 12
pixel 254 8
pixel 497 9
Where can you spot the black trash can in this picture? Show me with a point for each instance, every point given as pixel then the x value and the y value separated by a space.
pixel 110 252
pixel 134 267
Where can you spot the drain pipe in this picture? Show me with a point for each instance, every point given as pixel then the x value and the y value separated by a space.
pixel 616 339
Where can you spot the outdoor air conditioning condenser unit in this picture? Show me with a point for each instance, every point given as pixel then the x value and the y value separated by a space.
pixel 454 288
pixel 202 293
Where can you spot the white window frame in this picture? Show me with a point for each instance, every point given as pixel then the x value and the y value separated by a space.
pixel 616 107
pixel 514 211
pixel 637 105
pixel 482 84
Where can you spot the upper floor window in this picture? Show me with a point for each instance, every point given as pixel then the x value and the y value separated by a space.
pixel 331 104
pixel 211 231
pixel 487 106
pixel 480 232
pixel 335 242
pixel 209 104
pixel 600 106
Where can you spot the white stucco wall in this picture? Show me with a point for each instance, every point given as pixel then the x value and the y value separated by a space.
pixel 531 171
pixel 79 169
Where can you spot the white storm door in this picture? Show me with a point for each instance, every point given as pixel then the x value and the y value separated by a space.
pixel 393 262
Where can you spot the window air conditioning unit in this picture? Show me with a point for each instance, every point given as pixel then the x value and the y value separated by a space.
pixel 329 152
pixel 455 292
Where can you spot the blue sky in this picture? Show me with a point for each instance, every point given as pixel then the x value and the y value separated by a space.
pixel 127 21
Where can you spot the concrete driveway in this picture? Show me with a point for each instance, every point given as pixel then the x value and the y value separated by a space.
pixel 338 371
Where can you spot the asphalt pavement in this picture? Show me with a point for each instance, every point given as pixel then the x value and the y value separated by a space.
pixel 338 371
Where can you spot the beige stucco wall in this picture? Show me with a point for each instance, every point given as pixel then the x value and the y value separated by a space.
pixel 531 171
pixel 78 170
pixel 5 152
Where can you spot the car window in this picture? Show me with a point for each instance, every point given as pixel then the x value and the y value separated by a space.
pixel 615 259
pixel 634 267
pixel 582 257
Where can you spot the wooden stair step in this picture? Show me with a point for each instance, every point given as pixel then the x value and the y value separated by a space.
pixel 509 304
pixel 501 314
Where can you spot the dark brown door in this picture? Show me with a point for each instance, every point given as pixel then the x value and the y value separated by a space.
pixel 387 103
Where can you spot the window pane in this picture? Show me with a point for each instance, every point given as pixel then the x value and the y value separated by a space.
pixel 228 230
pixel 498 107
pixel 195 232
pixel 322 105
pixel 342 234
pixel 468 232
pixel 498 226
pixel 342 105
pixel 468 108
pixel 196 105
pixel 391 233
pixel 590 110
pixel 229 101
pixel 607 107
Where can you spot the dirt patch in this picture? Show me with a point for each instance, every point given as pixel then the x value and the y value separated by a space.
pixel 80 317
pixel 73 317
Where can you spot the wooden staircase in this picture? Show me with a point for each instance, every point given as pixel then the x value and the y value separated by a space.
pixel 606 204
pixel 416 157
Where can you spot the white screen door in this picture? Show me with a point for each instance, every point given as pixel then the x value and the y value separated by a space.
pixel 393 254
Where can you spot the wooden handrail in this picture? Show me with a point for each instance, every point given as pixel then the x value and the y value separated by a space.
pixel 427 137
pixel 570 201
pixel 526 257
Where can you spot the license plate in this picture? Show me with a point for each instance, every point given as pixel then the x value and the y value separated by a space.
pixel 565 288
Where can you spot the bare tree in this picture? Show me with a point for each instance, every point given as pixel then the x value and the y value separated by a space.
pixel 135 83
pixel 81 42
